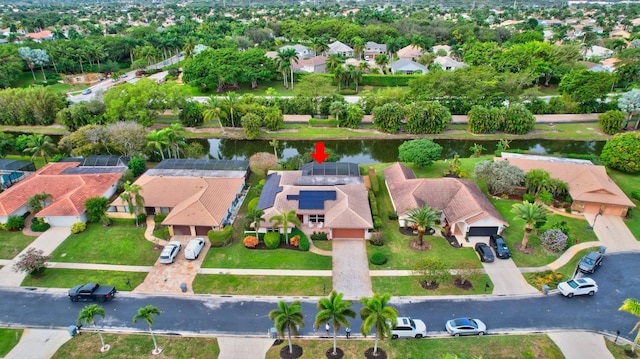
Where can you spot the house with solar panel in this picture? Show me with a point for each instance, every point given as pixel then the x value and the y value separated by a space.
pixel 329 198
pixel 196 195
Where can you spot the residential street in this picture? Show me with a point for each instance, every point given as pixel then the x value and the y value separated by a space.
pixel 248 316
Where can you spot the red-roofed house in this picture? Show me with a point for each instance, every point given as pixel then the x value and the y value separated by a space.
pixel 41 35
pixel 464 207
pixel 69 184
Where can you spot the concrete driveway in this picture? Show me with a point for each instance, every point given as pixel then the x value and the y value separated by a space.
pixel 613 233
pixel 351 268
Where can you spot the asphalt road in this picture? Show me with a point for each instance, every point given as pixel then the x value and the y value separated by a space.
pixel 249 316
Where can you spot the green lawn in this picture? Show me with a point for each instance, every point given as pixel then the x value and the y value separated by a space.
pixel 551 90
pixel 67 278
pixel 410 286
pixel 245 89
pixel 8 339
pixel 514 233
pixel 64 88
pixel 567 270
pixel 87 345
pixel 237 256
pixel 107 245
pixel 261 285
pixel 324 245
pixel 494 347
pixel 13 243
pixel 629 183
pixel 617 350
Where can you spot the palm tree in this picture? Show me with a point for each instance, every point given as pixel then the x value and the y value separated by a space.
pixel 284 63
pixel 213 113
pixel 283 219
pixel 231 101
pixel 38 201
pixel 147 313
pixel 289 318
pixel 274 143
pixel 292 56
pixel 88 316
pixel 381 60
pixel 358 45
pixel 157 140
pixel 255 217
pixel 364 66
pixel 340 75
pixel 338 108
pixel 334 62
pixel 40 145
pixel 174 140
pixel 376 314
pixel 335 310
pixel 424 218
pixel 632 306
pixel 132 197
pixel 531 213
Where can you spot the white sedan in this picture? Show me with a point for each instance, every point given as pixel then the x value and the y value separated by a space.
pixel 580 286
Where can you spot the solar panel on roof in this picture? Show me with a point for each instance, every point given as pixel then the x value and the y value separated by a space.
pixel 269 191
pixel 330 169
pixel 314 199
pixel 203 164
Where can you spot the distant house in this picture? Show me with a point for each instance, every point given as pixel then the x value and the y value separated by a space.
pixel 619 34
pixel 338 47
pixel 302 51
pixel 40 36
pixel 195 195
pixel 407 67
pixel 596 51
pixel 316 65
pixel 445 48
pixel 591 189
pixel 373 49
pixel 70 184
pixel 465 210
pixel 410 52
pixel 329 197
pixel 448 64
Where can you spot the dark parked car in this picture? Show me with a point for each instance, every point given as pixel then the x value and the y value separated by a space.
pixel 590 262
pixel 484 251
pixel 500 246
pixel 92 291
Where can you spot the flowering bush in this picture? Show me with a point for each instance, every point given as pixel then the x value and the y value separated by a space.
pixel 295 241
pixel 250 241
pixel 31 262
pixel 554 240
pixel 548 277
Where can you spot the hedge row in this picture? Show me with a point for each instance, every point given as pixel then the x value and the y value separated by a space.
pixel 221 238
pixel 373 202
pixel 373 177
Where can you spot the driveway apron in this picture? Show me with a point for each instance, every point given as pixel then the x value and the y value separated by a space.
pixel 38 344
pixel 243 348
pixel 613 233
pixel 351 268
pixel 47 242
pixel 582 345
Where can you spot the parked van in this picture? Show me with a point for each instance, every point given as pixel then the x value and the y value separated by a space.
pixel 193 248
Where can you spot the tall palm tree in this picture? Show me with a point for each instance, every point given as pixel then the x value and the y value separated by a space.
pixel 381 60
pixel 274 143
pixel 358 45
pixel 633 306
pixel 40 145
pixel 212 112
pixel 283 219
pixel 375 313
pixel 334 61
pixel 255 217
pixel 175 141
pixel 424 218
pixel 158 141
pixel 336 311
pixel 364 66
pixel 284 63
pixel 232 100
pixel 132 197
pixel 531 213
pixel 292 56
pixel 146 314
pixel 289 317
pixel 88 315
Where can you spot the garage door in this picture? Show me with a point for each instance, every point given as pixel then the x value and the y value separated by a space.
pixel 181 230
pixel 202 231
pixel 482 231
pixel 347 233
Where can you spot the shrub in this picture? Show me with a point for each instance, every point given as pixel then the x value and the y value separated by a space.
pixel 295 240
pixel 251 124
pixel 518 120
pixel 562 226
pixel 622 152
pixel 253 203
pixel 273 119
pixel 423 152
pixel 427 117
pixel 191 114
pixel 221 238
pixel 393 216
pixel 142 218
pixel 38 225
pixel 373 203
pixel 545 197
pixel 554 240
pixel 304 244
pixel 377 239
pixel 378 258
pixel 547 277
pixel 250 241
pixel 611 121
pixel 635 195
pixel 377 222
pixel 319 236
pixel 529 197
pixel 272 240
pixel 347 92
pixel 158 218
pixel 353 117
pixel 15 223
pixel 388 117
pixel 32 262
pixel 482 120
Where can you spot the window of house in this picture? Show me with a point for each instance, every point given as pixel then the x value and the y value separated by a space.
pixel 316 218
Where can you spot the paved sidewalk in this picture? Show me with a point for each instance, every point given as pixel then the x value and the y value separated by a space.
pixel 38 344
pixel 581 345
pixel 47 242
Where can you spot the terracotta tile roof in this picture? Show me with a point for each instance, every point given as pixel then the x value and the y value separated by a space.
pixel 69 191
pixel 588 183
pixel 350 209
pixel 197 201
pixel 458 199
pixel 40 35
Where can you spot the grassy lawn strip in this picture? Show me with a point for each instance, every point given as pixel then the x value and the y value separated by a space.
pixel 237 256
pixel 495 347
pixel 87 345
pixel 324 245
pixel 67 278
pixel 8 339
pixel 13 243
pixel 514 233
pixel 617 350
pixel 123 245
pixel 409 286
pixel 629 183
pixel 261 285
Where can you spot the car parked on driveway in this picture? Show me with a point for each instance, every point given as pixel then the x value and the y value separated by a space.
pixel 484 251
pixel 193 248
pixel 409 328
pixel 579 286
pixel 500 246
pixel 465 326
pixel 170 252
pixel 590 262
pixel 86 91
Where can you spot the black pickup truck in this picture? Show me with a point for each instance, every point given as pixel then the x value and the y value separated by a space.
pixel 92 292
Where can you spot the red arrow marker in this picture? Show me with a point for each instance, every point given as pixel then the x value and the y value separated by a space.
pixel 320 155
